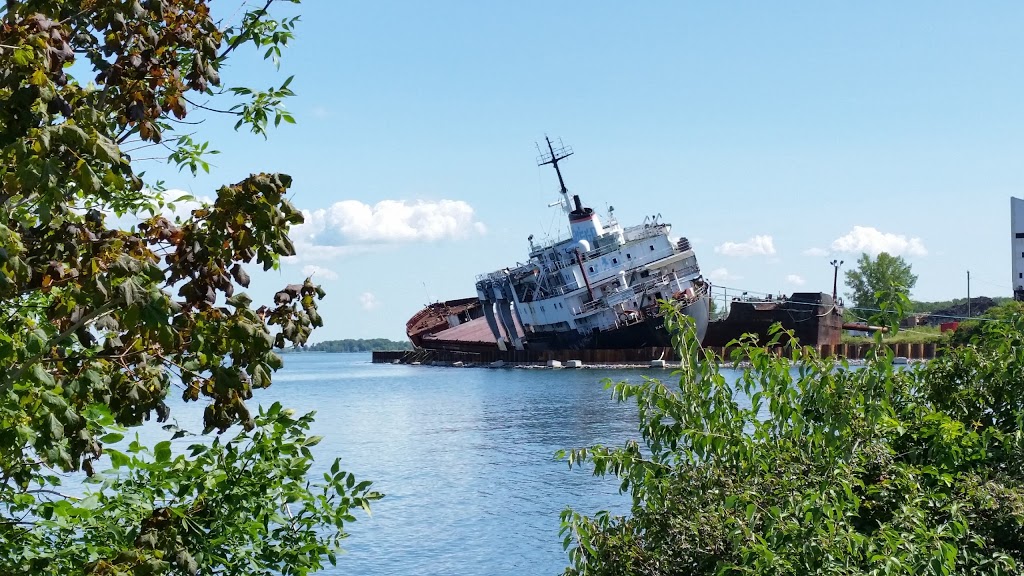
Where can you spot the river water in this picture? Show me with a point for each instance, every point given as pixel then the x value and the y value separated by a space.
pixel 464 457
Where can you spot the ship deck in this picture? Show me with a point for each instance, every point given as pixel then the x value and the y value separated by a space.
pixel 437 312
pixel 476 332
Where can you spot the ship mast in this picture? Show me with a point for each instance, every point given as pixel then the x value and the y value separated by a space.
pixel 552 156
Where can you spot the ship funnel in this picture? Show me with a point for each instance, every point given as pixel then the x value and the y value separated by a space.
pixel 584 223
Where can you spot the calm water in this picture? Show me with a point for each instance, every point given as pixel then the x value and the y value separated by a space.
pixel 464 456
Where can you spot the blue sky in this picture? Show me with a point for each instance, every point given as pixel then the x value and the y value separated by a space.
pixel 776 136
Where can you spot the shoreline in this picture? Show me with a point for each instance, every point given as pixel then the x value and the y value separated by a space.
pixel 671 366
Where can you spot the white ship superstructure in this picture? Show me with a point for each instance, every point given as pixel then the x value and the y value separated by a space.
pixel 599 287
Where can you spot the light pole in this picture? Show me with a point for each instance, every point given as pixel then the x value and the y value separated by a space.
pixel 968 293
pixel 835 277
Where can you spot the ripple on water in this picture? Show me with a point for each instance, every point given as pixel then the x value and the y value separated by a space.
pixel 465 458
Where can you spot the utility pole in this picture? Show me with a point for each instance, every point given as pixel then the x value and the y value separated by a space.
pixel 968 293
pixel 835 278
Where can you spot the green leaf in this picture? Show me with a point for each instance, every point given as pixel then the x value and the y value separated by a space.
pixel 162 451
pixel 111 438
pixel 40 375
pixel 22 56
pixel 129 291
pixel 56 427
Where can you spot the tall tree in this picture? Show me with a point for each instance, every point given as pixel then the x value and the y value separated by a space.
pixel 884 273
pixel 100 322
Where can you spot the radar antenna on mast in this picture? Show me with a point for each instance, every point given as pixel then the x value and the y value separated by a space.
pixel 552 156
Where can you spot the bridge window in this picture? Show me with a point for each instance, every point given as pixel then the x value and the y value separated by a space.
pixel 652 247
pixel 628 257
pixel 615 260
pixel 591 268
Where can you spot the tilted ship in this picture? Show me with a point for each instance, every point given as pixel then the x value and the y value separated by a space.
pixel 600 288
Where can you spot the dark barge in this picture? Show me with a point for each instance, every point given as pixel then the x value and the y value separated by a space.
pixel 814 317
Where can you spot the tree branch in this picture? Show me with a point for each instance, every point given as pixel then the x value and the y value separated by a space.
pixel 52 492
pixel 208 109
pixel 241 36
pixel 102 310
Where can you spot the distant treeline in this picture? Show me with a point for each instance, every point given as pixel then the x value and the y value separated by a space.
pixel 932 307
pixel 359 345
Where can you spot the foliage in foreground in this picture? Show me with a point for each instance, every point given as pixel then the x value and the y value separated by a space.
pixel 831 470
pixel 245 506
pixel 100 320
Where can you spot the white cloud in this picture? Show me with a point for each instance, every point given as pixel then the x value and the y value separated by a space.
pixel 720 275
pixel 368 300
pixel 795 279
pixel 758 245
pixel 873 241
pixel 319 272
pixel 306 252
pixel 338 229
pixel 352 222
pixel 815 252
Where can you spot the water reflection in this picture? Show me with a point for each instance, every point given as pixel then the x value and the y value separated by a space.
pixel 465 457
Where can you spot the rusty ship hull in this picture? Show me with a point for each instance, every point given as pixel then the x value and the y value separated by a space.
pixel 814 318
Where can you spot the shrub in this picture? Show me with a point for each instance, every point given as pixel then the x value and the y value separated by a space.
pixel 803 466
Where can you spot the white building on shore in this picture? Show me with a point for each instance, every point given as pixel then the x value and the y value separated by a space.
pixel 1017 245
